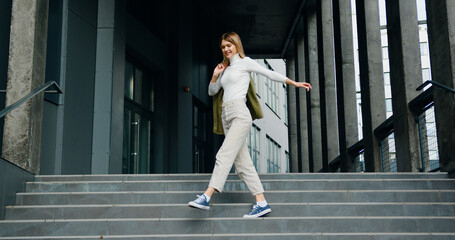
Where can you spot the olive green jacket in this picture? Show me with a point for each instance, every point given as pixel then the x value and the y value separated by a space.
pixel 252 103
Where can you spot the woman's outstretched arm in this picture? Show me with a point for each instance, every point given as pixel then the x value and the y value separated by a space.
pixel 253 66
pixel 298 84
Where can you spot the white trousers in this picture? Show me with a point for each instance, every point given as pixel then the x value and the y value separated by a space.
pixel 236 119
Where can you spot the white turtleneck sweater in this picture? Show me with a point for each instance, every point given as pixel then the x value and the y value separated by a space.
pixel 235 79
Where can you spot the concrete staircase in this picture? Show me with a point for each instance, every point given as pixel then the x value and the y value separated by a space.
pixel 376 206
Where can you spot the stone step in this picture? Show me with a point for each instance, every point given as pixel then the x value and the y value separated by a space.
pixel 226 210
pixel 298 196
pixel 237 185
pixel 149 177
pixel 259 236
pixel 84 227
pixel 378 206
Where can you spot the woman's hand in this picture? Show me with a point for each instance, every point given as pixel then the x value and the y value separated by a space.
pixel 299 84
pixel 217 71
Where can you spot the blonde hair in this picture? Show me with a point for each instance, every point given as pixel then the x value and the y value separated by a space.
pixel 233 38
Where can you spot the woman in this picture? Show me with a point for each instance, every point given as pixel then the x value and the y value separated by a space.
pixel 235 77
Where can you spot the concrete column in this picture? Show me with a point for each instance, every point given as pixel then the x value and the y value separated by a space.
pixel 302 105
pixel 315 104
pixel 109 88
pixel 405 77
pixel 345 75
pixel 292 114
pixel 26 71
pixel 329 86
pixel 371 82
pixel 321 79
pixel 441 37
pixel 297 100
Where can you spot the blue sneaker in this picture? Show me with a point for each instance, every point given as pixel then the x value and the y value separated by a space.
pixel 200 202
pixel 258 211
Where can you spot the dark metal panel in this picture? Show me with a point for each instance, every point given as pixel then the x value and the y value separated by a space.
pixel 79 95
pixel 12 180
pixel 5 25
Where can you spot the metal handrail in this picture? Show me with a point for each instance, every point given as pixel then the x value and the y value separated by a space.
pixel 435 84
pixel 422 102
pixel 357 148
pixel 417 105
pixel 384 129
pixel 31 95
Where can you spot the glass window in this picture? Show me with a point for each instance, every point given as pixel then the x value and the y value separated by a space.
pixel 388 94
pixel 267 88
pixel 129 80
pixel 388 105
pixel 138 79
pixel 426 75
pixel 386 65
pixel 384 40
pixel 382 13
pixel 387 78
pixel 385 53
pixel 434 155
pixel 255 78
pixel 421 10
pixel 195 121
pixel 431 129
pixel 423 48
pixel 272 96
pixel 287 162
pixel 254 145
pixel 273 156
pixel 271 87
pixel 139 86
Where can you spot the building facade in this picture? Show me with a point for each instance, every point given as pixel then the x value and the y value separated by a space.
pixel 120 111
pixel 268 139
pixel 134 76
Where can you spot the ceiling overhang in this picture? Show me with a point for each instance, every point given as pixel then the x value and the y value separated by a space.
pixel 266 26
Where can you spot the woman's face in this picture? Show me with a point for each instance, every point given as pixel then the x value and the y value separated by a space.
pixel 228 48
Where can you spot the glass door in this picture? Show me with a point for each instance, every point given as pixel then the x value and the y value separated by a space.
pixel 138 119
pixel 136 142
pixel 199 137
